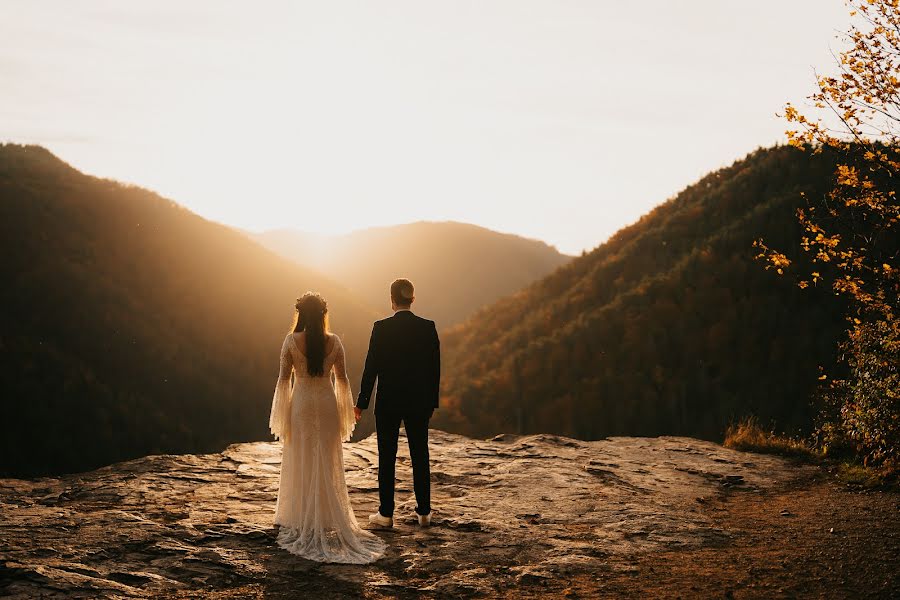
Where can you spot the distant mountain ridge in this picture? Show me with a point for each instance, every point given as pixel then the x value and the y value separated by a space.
pixel 132 326
pixel 670 327
pixel 457 267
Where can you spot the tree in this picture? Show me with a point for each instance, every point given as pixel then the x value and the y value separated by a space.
pixel 851 233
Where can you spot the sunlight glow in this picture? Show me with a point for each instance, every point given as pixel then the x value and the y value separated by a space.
pixel 561 121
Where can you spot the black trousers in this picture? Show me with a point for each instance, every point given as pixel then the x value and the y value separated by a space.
pixel 387 428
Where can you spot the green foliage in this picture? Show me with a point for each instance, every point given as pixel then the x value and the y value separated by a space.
pixel 668 328
pixel 131 326
pixel 864 406
pixel 852 230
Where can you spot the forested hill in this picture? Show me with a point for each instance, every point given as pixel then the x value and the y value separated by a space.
pixel 457 267
pixel 670 327
pixel 133 326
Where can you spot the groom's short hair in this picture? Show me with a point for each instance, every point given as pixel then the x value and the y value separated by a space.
pixel 402 292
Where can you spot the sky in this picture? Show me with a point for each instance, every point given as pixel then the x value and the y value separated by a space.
pixel 560 120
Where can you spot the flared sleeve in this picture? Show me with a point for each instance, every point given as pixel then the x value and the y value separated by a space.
pixel 343 393
pixel 280 418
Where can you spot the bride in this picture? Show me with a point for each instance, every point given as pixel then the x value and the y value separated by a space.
pixel 312 417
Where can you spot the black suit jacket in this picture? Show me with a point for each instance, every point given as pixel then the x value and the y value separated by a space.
pixel 405 357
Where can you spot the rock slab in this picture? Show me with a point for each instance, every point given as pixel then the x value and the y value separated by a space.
pixel 511 513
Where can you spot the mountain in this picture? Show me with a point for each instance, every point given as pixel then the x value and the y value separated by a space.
pixel 670 327
pixel 456 268
pixel 132 326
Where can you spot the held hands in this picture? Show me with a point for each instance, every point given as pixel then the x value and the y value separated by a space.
pixel 358 413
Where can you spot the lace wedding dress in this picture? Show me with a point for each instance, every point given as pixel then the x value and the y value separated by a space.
pixel 312 418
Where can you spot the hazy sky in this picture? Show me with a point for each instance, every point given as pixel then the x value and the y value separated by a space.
pixel 558 120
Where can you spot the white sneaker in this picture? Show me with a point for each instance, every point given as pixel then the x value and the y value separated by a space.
pixel 379 520
pixel 424 520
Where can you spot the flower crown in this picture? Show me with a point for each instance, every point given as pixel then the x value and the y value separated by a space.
pixel 308 295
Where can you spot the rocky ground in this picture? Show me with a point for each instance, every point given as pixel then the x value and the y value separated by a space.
pixel 514 517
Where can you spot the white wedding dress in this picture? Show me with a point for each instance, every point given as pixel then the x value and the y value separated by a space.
pixel 312 418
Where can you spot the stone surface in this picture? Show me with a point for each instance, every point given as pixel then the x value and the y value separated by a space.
pixel 509 513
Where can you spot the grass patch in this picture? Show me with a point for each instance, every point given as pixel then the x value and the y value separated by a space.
pixel 855 474
pixel 747 435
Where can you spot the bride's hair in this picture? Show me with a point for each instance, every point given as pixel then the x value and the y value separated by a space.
pixel 312 319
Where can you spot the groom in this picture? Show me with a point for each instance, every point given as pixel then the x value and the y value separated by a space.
pixel 405 356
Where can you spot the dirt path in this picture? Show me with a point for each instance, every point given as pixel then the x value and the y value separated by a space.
pixel 832 542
